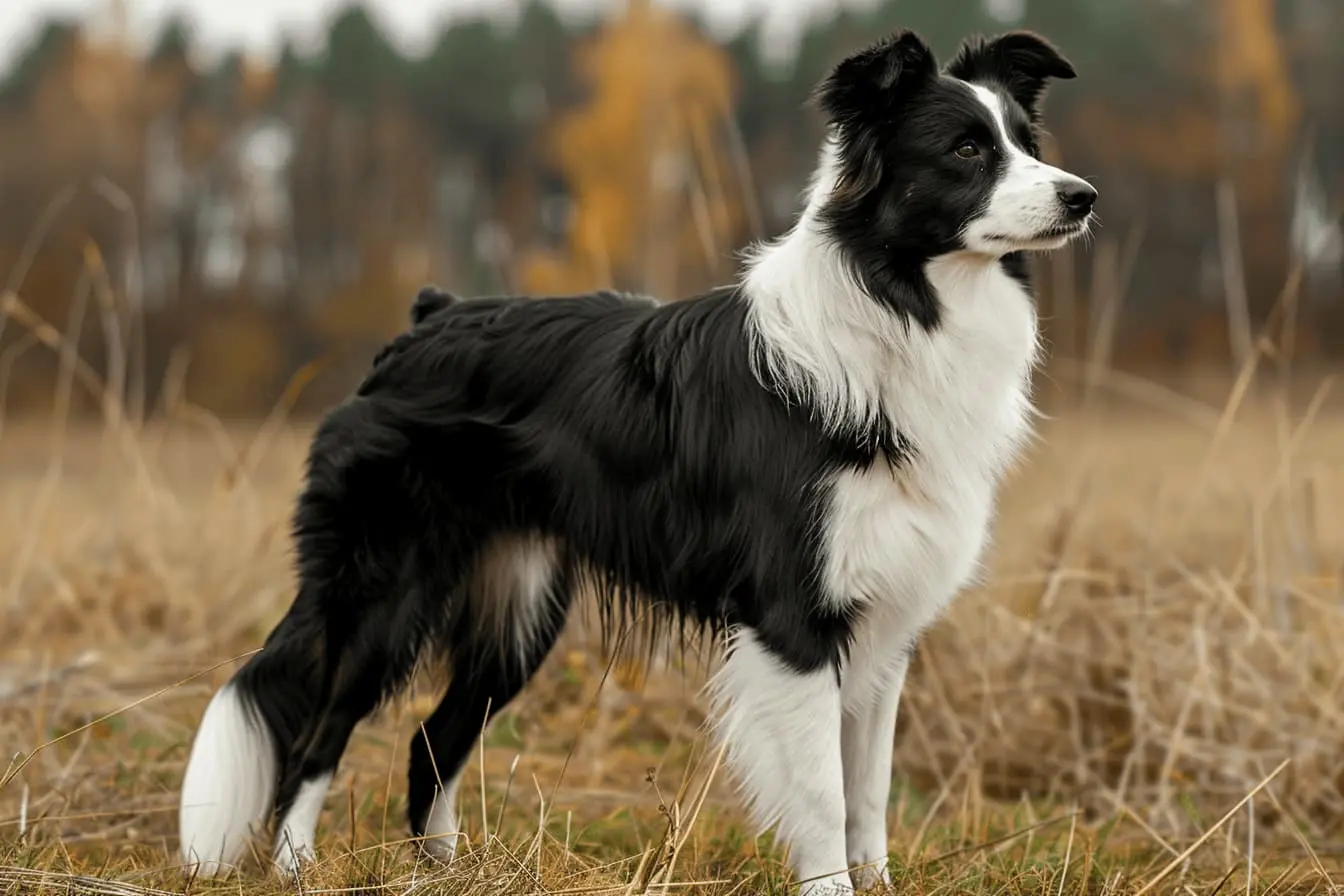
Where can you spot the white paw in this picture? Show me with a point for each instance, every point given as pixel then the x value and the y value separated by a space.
pixel 831 885
pixel 870 875
pixel 290 858
pixel 207 868
pixel 442 827
pixel 442 848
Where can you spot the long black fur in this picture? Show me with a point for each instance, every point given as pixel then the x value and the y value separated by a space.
pixel 634 434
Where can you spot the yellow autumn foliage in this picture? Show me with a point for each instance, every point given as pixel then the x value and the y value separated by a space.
pixel 651 186
pixel 1253 65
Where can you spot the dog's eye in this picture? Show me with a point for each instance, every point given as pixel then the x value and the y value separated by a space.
pixel 967 150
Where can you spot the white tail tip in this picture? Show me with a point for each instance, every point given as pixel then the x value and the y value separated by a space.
pixel 228 787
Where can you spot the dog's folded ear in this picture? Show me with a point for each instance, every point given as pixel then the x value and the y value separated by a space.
pixel 875 79
pixel 1022 62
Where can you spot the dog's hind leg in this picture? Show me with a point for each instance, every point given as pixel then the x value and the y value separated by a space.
pixel 373 647
pixel 779 713
pixel 517 599
pixel 372 583
pixel 375 660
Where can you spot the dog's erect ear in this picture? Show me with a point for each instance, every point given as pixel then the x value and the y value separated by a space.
pixel 1019 60
pixel 873 80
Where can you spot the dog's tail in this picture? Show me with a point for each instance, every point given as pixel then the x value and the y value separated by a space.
pixel 259 725
pixel 430 300
pixel 229 783
pixel 249 729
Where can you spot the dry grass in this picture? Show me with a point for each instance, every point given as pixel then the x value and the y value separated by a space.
pixel 1157 633
pixel 1141 696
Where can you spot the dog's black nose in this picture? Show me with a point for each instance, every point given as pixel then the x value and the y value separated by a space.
pixel 1077 196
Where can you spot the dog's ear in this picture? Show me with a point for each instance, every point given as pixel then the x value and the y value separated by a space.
pixel 874 80
pixel 1022 62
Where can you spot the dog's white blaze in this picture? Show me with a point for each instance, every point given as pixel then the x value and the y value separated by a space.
pixel 443 826
pixel 1024 202
pixel 511 585
pixel 781 731
pixel 298 832
pixel 228 786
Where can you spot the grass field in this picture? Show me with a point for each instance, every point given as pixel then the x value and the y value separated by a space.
pixel 1157 633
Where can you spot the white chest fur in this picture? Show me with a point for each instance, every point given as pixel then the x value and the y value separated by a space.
pixel 902 542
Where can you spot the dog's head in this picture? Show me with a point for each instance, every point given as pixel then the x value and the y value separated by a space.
pixel 930 160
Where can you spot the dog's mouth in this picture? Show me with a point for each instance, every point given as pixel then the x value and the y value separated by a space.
pixel 1067 230
pixel 1050 235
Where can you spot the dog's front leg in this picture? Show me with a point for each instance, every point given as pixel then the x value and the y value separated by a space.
pixel 782 730
pixel 871 693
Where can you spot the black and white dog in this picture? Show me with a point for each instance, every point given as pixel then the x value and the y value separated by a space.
pixel 805 462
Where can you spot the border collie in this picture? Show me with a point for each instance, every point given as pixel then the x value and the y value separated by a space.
pixel 803 463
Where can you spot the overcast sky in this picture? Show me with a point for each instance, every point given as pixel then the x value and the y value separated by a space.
pixel 257 25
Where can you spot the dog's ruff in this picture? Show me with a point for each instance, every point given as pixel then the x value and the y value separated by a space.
pixel 804 462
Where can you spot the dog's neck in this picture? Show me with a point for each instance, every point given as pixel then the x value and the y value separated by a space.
pixel 821 340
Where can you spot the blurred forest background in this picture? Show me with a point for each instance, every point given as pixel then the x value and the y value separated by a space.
pixel 208 230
